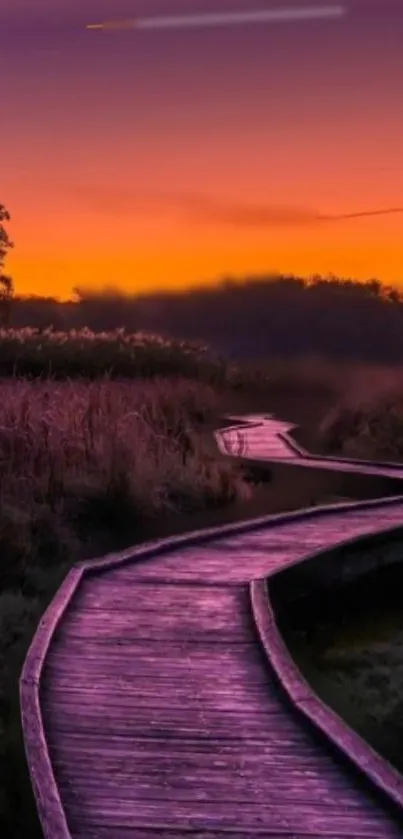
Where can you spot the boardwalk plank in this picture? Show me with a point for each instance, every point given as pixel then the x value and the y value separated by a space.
pixel 243 789
pixel 172 727
pixel 112 703
pixel 121 812
pixel 190 779
pixel 96 832
pixel 208 763
pixel 100 832
pixel 202 613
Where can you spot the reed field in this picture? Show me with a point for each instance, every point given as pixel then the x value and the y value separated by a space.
pixel 118 354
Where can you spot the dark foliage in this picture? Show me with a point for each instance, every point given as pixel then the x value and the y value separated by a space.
pixel 250 319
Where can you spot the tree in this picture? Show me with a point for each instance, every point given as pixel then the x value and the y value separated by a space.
pixel 6 282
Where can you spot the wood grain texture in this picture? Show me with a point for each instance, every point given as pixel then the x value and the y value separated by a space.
pixel 147 705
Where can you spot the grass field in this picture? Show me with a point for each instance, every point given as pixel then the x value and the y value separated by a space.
pixel 352 654
pixel 105 441
pixel 372 428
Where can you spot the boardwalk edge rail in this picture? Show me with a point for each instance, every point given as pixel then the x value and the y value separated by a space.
pixel 49 806
pixel 292 444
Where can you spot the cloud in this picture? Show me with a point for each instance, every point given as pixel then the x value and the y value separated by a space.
pixel 263 215
pixel 201 209
pixel 266 215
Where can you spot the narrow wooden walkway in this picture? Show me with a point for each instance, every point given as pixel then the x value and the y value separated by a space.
pixel 160 715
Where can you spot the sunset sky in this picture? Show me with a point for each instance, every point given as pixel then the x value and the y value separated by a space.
pixel 160 159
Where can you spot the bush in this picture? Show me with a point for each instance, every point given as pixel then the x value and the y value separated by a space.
pixel 371 427
pixel 82 353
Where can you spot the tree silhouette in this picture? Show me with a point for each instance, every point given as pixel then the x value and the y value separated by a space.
pixel 6 282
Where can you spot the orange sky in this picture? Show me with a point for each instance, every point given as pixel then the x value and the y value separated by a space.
pixel 165 159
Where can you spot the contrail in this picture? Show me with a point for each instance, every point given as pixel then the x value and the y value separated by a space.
pixel 226 18
pixel 390 211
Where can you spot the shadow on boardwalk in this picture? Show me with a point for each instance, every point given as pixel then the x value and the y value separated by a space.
pixel 148 705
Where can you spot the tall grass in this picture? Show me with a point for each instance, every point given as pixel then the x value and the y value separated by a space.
pixel 33 352
pixel 368 421
pixel 80 460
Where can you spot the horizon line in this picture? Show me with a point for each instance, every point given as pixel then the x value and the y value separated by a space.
pixel 216 281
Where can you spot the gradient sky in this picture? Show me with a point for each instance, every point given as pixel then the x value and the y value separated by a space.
pixel 162 159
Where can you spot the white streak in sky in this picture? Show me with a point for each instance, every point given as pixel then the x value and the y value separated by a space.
pixel 226 18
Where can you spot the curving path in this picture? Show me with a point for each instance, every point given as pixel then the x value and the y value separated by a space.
pixel 149 709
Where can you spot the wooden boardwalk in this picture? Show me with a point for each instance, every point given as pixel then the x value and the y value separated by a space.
pixel 148 706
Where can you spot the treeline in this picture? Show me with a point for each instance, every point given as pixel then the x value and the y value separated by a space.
pixel 250 318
